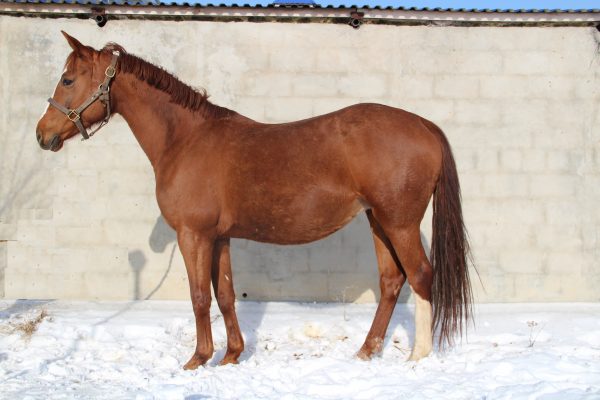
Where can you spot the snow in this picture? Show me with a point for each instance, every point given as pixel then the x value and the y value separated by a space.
pixel 293 351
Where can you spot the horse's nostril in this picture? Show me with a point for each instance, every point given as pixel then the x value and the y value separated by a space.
pixel 55 142
pixel 38 135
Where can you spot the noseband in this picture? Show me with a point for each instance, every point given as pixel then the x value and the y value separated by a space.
pixel 102 94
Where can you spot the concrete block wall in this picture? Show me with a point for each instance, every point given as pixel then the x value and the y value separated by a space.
pixel 519 105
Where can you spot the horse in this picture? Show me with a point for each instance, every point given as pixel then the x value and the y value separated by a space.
pixel 221 175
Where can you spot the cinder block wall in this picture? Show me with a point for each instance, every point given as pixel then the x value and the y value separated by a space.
pixel 520 107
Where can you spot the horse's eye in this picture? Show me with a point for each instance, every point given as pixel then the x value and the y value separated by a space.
pixel 67 82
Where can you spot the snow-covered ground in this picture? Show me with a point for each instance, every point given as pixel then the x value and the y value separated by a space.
pixel 293 351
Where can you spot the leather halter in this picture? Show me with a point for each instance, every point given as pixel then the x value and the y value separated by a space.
pixel 102 94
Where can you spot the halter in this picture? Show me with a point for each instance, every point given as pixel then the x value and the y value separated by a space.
pixel 102 94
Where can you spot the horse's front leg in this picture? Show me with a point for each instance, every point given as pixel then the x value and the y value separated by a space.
pixel 197 250
pixel 223 284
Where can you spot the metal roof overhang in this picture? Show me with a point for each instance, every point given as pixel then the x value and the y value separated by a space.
pixel 306 14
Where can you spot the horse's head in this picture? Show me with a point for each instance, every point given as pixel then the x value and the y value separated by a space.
pixel 73 107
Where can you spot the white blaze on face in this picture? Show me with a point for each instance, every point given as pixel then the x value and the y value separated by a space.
pixel 44 113
pixel 423 335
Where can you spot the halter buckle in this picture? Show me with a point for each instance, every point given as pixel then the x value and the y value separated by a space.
pixel 73 116
pixel 110 71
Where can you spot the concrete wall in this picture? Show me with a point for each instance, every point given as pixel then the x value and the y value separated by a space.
pixel 519 105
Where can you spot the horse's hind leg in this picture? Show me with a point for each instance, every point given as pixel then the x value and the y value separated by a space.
pixel 408 246
pixel 223 284
pixel 391 279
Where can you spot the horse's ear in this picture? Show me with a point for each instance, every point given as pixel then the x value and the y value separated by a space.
pixel 79 48
pixel 74 43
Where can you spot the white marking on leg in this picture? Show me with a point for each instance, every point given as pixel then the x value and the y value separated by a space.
pixel 423 335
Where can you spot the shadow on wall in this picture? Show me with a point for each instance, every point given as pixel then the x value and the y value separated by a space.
pixel 161 236
pixel 341 268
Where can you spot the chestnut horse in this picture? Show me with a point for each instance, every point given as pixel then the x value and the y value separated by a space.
pixel 221 175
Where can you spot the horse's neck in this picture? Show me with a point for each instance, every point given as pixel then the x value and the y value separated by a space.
pixel 153 119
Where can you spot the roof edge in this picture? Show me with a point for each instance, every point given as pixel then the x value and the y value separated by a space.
pixel 374 15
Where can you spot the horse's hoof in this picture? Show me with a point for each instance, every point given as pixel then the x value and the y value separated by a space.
pixel 417 355
pixel 195 362
pixel 364 354
pixel 370 348
pixel 229 360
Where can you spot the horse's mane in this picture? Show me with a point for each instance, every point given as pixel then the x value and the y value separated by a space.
pixel 182 94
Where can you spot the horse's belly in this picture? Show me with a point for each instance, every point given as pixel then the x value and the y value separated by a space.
pixel 289 225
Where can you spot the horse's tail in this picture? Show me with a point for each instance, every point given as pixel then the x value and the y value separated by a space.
pixel 451 292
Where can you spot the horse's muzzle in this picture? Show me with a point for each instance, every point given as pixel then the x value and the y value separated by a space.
pixel 54 144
